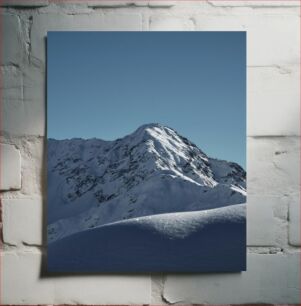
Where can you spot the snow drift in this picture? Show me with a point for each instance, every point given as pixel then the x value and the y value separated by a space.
pixel 208 241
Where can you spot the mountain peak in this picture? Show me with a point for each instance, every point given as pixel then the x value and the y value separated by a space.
pixel 164 135
pixel 151 128
pixel 156 132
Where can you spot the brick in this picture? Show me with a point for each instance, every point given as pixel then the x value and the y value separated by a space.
pixel 272 38
pixel 269 37
pixel 12 42
pixel 166 23
pixel 24 3
pixel 11 84
pixel 35 101
pixel 67 7
pixel 141 3
pixel 109 3
pixel 276 89
pixel 25 113
pixel 273 165
pixel 88 22
pixel 268 279
pixel 256 3
pixel 294 220
pixel 33 166
pixel 118 3
pixel 22 283
pixel 161 3
pixel 10 167
pixel 261 223
pixel 22 221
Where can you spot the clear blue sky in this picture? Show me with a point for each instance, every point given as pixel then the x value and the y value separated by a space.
pixel 107 84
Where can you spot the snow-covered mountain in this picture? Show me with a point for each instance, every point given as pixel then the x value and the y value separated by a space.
pixel 151 171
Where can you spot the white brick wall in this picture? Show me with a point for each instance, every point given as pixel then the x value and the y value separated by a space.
pixel 273 151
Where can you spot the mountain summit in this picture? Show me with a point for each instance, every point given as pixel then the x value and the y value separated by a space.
pixel 152 171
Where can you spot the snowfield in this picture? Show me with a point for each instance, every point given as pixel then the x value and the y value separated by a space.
pixel 208 241
pixel 151 201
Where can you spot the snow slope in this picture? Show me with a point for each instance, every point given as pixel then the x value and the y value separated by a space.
pixel 151 171
pixel 199 241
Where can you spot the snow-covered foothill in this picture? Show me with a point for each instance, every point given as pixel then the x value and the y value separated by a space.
pixel 199 241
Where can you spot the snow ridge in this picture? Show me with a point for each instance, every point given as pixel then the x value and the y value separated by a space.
pixel 198 241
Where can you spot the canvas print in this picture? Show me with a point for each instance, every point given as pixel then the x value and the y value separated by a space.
pixel 146 151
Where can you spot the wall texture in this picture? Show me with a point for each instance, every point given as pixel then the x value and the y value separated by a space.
pixel 273 167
